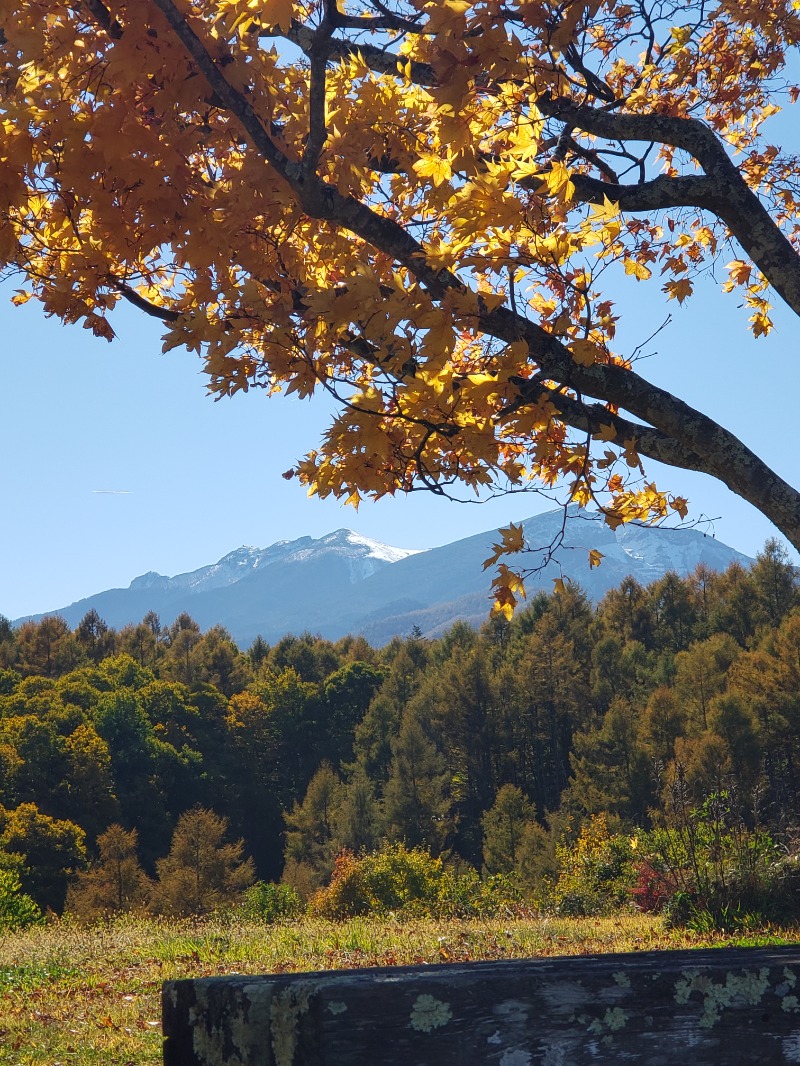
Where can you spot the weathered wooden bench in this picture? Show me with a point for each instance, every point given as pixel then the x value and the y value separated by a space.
pixel 720 1007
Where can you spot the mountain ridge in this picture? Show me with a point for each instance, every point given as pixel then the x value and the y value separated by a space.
pixel 345 583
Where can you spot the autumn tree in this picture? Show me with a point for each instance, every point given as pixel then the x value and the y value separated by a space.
pixel 115 882
pixel 202 870
pixel 220 662
pixel 51 850
pixel 433 210
pixel 88 793
pixel 47 647
pixel 701 673
pixel 180 661
pixel 94 636
pixel 8 649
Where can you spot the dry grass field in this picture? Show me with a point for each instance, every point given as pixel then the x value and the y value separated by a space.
pixel 78 995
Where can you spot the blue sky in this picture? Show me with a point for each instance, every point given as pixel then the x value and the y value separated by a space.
pixel 186 480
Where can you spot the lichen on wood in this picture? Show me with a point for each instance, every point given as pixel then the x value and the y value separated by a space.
pixel 713 1007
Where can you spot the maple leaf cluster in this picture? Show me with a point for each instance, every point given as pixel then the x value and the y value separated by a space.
pixel 420 207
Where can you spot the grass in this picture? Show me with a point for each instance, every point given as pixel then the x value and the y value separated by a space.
pixel 75 995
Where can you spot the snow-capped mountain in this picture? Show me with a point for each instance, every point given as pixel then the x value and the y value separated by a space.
pixel 345 583
pixel 364 557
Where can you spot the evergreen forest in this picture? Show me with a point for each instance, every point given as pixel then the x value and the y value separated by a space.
pixel 639 752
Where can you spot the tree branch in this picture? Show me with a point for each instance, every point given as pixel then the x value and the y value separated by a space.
pixel 690 134
pixel 133 297
pixel 378 59
pixel 595 418
pixel 659 194
pixel 387 20
pixel 317 90
pixel 103 16
pixel 706 445
pixel 723 192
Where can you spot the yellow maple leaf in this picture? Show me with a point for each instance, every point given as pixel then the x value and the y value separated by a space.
pixel 513 537
pixel 606 432
pixel 585 352
pixel 679 504
pixel 507 588
pixel 608 211
pixel 679 290
pixel 277 13
pixel 630 454
pixel 639 270
pixel 595 558
pixel 518 351
pixel 739 273
pixel 761 324
pixel 558 181
pixel 434 167
pixel 512 540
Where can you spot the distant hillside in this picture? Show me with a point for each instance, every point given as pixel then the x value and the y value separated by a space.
pixel 344 583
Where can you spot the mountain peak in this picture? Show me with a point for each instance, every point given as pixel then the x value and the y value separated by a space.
pixel 356 543
pixel 150 580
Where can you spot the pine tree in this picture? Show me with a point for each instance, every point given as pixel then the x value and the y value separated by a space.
pixel 311 843
pixel 417 803
pixel 504 828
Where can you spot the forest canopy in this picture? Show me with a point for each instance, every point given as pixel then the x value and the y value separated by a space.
pixel 425 208
pixel 495 751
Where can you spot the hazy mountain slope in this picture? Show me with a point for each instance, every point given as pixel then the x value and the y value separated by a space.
pixel 434 589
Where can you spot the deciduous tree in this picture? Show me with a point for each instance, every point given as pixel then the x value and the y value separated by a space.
pixel 51 849
pixel 430 209
pixel 202 870
pixel 115 882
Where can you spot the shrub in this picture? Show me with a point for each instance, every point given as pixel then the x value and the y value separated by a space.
pixel 465 895
pixel 718 873
pixel 268 902
pixel 653 888
pixel 17 910
pixel 597 873
pixel 397 879
pixel 392 879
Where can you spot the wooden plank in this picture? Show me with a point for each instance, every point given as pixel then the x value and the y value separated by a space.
pixel 718 1007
